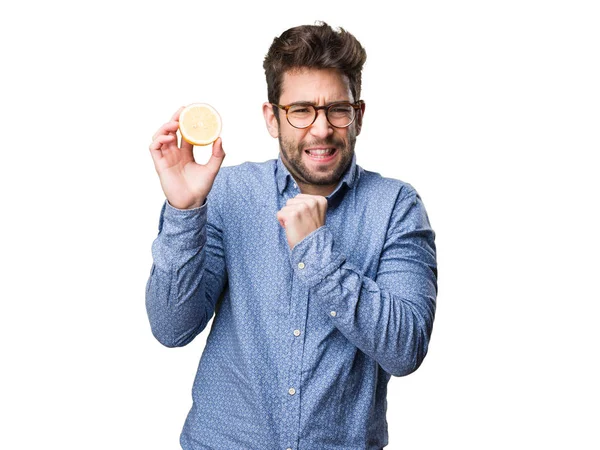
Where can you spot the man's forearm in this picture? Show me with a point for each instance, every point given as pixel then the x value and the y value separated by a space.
pixel 178 299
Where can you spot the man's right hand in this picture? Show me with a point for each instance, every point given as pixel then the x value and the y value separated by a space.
pixel 186 184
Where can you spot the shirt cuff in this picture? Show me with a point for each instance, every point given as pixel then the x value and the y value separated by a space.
pixel 183 228
pixel 314 259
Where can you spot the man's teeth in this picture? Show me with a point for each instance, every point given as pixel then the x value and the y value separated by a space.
pixel 321 152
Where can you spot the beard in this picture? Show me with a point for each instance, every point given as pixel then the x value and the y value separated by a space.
pixel 291 155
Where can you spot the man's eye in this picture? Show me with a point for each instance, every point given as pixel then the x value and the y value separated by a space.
pixel 340 109
pixel 300 110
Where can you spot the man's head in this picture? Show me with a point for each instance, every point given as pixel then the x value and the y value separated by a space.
pixel 315 65
pixel 314 47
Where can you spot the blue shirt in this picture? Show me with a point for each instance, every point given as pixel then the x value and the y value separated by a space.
pixel 304 341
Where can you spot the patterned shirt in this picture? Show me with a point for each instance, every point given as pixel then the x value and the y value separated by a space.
pixel 304 341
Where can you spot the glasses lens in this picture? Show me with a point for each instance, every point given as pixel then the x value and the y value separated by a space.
pixel 301 116
pixel 340 114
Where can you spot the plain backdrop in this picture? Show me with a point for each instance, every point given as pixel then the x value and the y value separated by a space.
pixel 489 109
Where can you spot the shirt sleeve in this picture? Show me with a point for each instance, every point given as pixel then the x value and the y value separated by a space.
pixel 390 318
pixel 187 275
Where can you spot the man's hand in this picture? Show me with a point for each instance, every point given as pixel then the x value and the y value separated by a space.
pixel 186 184
pixel 301 216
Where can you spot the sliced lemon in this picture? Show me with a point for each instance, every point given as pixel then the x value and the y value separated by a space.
pixel 200 124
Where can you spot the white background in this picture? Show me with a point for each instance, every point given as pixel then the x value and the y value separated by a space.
pixel 490 109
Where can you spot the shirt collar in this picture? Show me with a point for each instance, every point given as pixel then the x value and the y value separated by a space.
pixel 283 176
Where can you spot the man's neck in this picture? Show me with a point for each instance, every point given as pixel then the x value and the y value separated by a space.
pixel 312 189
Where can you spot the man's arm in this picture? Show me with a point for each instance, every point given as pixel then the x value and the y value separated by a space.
pixel 188 274
pixel 389 318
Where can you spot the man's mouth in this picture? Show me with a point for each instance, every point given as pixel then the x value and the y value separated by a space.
pixel 320 153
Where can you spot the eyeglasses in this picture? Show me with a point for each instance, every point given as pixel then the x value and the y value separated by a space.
pixel 338 114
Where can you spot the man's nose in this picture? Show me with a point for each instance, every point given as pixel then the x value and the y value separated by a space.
pixel 321 127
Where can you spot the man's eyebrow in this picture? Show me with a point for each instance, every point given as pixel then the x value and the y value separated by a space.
pixel 305 102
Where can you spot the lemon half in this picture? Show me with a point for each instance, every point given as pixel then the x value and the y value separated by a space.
pixel 200 124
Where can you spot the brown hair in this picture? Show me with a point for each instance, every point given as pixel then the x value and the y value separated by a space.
pixel 314 47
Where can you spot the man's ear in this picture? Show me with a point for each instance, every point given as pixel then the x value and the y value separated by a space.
pixel 359 118
pixel 271 120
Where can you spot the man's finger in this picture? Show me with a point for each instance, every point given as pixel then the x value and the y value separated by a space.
pixel 217 156
pixel 311 202
pixel 281 218
pixel 167 128
pixel 176 115
pixel 186 146
pixel 159 141
pixel 301 201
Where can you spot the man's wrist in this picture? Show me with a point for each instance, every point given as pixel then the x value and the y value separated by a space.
pixel 195 205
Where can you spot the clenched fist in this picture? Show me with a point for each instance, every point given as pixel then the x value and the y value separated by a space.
pixel 301 216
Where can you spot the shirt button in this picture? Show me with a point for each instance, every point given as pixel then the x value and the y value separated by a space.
pixel 291 391
pixel 301 265
pixel 333 313
pixel 296 333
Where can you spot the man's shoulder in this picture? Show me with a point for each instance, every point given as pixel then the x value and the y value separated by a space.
pixel 392 196
pixel 373 183
pixel 247 171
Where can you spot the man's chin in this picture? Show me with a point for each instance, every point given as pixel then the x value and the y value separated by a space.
pixel 327 178
pixel 323 181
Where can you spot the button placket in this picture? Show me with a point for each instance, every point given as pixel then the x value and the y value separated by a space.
pixel 293 389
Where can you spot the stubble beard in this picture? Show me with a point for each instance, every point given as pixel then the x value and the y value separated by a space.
pixel 291 154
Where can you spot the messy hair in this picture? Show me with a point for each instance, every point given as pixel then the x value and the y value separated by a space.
pixel 314 47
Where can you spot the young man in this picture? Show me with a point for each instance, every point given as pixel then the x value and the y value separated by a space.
pixel 322 276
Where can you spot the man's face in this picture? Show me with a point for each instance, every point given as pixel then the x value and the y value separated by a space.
pixel 320 154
